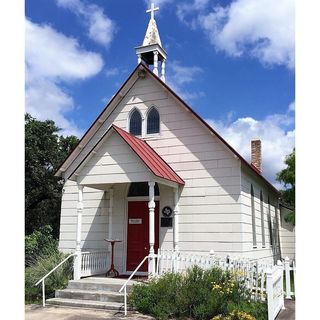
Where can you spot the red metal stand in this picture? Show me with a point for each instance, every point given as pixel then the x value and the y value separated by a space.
pixel 112 272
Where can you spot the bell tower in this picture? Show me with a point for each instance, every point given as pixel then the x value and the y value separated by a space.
pixel 151 51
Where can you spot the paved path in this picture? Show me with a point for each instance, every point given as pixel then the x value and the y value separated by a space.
pixel 36 312
pixel 290 312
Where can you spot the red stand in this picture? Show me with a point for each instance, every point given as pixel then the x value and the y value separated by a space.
pixel 112 272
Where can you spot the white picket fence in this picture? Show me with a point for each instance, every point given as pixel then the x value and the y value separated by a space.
pixel 263 279
pixel 94 262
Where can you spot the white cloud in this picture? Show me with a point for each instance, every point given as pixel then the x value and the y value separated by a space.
pixel 273 131
pixel 157 2
pixel 184 10
pixel 51 60
pixel 112 72
pixel 101 29
pixel 178 76
pixel 263 29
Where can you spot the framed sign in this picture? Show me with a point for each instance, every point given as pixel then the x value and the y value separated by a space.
pixel 135 221
pixel 166 222
pixel 167 211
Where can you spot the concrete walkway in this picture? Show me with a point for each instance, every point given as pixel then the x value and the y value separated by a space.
pixel 37 312
pixel 290 311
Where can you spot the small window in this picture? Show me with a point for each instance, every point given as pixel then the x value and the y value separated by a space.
pixel 262 221
pixel 141 189
pixel 135 124
pixel 153 121
pixel 253 216
pixel 269 222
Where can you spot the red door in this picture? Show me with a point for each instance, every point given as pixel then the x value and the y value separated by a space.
pixel 138 233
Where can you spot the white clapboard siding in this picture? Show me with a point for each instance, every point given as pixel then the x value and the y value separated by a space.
pixel 214 206
pixel 287 236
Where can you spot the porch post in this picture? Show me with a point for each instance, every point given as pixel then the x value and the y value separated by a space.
pixel 176 220
pixel 110 211
pixel 176 227
pixel 77 261
pixel 151 205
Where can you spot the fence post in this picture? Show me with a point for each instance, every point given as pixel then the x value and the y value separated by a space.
pixel 288 280
pixel 280 266
pixel 270 293
pixel 211 259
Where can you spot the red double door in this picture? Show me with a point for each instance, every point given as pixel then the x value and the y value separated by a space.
pixel 138 233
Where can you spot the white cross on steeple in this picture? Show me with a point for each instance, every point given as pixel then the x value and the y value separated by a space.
pixel 152 10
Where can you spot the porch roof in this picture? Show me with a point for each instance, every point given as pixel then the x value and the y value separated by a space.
pixel 149 156
pixel 142 149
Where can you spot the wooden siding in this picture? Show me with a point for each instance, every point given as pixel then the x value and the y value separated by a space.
pixel 211 215
pixel 287 237
pixel 119 164
pixel 268 252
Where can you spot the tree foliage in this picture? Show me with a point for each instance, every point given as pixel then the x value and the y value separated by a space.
pixel 45 150
pixel 287 177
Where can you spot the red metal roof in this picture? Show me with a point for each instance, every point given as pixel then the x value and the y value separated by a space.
pixel 151 159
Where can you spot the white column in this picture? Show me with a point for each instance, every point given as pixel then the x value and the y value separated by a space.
pixel 176 229
pixel 139 58
pixel 77 261
pixel 163 70
pixel 110 212
pixel 287 273
pixel 155 63
pixel 176 220
pixel 151 206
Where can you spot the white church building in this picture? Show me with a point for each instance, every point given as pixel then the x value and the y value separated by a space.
pixel 151 173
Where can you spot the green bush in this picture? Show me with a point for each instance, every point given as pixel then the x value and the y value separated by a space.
pixel 258 309
pixel 199 294
pixel 40 267
pixel 39 243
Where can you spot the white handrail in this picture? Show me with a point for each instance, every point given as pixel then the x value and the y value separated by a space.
pixel 125 284
pixel 43 278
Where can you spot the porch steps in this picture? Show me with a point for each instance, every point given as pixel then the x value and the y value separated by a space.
pixel 93 292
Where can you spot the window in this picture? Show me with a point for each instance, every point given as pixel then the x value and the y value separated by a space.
pixel 269 221
pixel 262 220
pixel 135 124
pixel 253 216
pixel 153 121
pixel 141 189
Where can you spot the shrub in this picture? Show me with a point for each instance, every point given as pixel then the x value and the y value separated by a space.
pixel 39 243
pixel 235 315
pixel 40 267
pixel 199 294
pixel 258 309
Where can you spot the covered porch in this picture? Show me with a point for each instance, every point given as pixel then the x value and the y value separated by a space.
pixel 141 203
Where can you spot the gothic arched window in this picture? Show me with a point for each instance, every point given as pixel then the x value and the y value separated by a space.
pixel 135 123
pixel 153 121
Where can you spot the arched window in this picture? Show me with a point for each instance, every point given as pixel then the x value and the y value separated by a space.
pixel 153 121
pixel 135 124
pixel 141 189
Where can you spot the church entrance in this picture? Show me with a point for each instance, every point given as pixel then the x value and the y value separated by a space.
pixel 138 233
pixel 138 243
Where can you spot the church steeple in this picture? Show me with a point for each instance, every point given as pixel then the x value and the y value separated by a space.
pixel 151 51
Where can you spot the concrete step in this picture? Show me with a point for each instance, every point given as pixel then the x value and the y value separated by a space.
pixel 104 296
pixel 99 284
pixel 116 306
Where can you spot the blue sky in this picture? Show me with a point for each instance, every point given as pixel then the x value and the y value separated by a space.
pixel 232 61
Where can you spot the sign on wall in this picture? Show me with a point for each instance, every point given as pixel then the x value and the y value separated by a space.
pixel 166 220
pixel 135 221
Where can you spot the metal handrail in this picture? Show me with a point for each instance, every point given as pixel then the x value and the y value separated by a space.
pixel 125 284
pixel 43 278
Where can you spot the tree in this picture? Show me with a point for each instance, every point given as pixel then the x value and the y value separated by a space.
pixel 287 177
pixel 44 152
